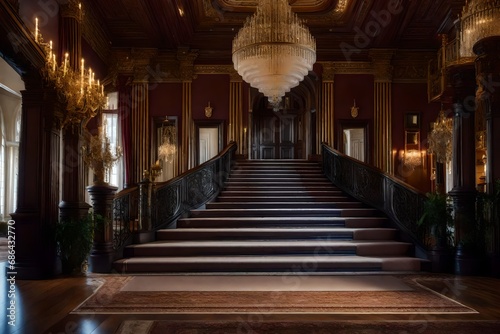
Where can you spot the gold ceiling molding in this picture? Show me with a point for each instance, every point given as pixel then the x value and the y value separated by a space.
pixel 220 10
pixel 305 6
pixel 382 64
pixel 94 33
pixel 411 66
pixel 348 67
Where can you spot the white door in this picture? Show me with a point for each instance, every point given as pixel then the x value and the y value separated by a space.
pixel 209 143
pixel 354 143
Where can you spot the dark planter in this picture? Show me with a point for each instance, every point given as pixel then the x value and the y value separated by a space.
pixel 469 263
pixel 442 259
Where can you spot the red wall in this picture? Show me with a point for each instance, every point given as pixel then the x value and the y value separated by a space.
pixel 165 99
pixel 213 88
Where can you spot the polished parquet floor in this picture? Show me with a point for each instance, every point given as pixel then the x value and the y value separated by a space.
pixel 44 306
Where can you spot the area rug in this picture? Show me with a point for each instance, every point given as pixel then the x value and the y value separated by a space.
pixel 265 283
pixel 110 298
pixel 337 327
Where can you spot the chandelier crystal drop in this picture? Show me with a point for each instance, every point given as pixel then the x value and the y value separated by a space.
pixel 480 19
pixel 274 50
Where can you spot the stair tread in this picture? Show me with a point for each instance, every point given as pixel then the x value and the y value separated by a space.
pixel 276 229
pixel 268 258
pixel 273 242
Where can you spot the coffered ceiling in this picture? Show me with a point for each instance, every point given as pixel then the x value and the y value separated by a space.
pixel 209 26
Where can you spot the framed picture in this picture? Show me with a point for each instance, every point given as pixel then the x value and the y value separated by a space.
pixel 412 121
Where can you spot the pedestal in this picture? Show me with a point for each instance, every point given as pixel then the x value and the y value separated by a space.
pixel 102 254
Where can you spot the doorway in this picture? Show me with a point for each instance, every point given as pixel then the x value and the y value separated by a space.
pixel 353 139
pixel 209 140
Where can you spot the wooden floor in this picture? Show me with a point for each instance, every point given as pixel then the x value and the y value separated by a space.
pixel 44 307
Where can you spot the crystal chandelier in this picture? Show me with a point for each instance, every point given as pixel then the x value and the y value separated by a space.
pixel 274 50
pixel 98 155
pixel 168 146
pixel 479 20
pixel 412 159
pixel 440 138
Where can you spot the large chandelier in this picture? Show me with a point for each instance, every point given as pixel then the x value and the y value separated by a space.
pixel 440 138
pixel 168 146
pixel 274 50
pixel 479 20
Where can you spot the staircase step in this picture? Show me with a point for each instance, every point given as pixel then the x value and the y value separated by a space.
pixel 297 233
pixel 263 247
pixel 230 197
pixel 314 179
pixel 281 212
pixel 281 189
pixel 285 221
pixel 268 263
pixel 282 205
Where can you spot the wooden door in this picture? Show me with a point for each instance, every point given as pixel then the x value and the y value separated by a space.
pixel 275 136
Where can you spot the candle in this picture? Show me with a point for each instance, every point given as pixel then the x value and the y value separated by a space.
pixel 54 63
pixel 82 68
pixel 90 77
pixel 65 62
pixel 50 45
pixel 36 29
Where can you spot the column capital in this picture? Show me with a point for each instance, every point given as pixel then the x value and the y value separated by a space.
pixel 71 9
pixel 382 64
pixel 186 58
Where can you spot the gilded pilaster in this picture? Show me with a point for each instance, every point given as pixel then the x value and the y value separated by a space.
pixel 186 58
pixel 235 130
pixel 383 71
pixel 325 121
pixel 140 129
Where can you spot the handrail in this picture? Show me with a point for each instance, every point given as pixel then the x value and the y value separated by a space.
pixel 171 199
pixel 191 189
pixel 125 217
pixel 402 203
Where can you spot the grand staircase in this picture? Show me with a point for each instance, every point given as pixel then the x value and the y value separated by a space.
pixel 275 216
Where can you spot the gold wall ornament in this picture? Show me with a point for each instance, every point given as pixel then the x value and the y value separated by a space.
pixel 208 110
pixel 98 156
pixel 354 110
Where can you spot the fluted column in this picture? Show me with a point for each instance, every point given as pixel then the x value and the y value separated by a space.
pixel 325 122
pixel 75 173
pixel 187 151
pixel 38 183
pixel 462 81
pixel 70 33
pixel 488 104
pixel 236 128
pixel 140 129
pixel 382 109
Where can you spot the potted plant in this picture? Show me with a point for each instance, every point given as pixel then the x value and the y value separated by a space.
pixel 74 239
pixel 437 222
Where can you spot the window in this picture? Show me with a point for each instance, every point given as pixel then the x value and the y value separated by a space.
pixel 114 176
